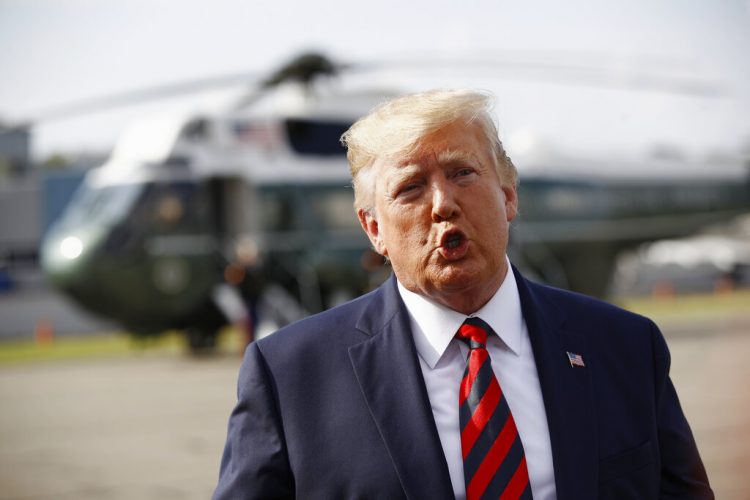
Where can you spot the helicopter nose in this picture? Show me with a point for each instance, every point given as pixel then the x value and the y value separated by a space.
pixel 62 256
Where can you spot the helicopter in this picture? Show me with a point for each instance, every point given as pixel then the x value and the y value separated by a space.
pixel 194 216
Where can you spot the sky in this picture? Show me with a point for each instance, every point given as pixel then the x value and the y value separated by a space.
pixel 57 52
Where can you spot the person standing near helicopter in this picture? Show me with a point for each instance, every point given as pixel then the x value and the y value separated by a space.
pixel 457 378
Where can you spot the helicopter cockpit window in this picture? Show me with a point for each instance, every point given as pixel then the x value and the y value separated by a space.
pixel 314 137
pixel 165 205
pixel 104 205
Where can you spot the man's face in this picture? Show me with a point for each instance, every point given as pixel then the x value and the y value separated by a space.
pixel 441 216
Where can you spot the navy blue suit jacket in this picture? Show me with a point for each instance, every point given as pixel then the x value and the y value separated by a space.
pixel 335 406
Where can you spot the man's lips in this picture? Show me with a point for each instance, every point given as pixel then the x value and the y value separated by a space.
pixel 453 245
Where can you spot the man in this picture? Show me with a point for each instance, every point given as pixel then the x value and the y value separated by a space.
pixel 457 378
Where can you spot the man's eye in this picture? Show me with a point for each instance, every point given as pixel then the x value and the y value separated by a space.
pixel 408 188
pixel 464 172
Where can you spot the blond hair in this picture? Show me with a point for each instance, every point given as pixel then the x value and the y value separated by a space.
pixel 394 128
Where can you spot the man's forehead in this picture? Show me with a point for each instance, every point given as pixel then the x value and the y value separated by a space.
pixel 454 143
pixel 441 157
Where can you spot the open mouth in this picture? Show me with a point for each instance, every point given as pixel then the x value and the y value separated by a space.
pixel 453 244
pixel 453 240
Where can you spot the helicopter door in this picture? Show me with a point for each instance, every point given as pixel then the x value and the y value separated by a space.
pixel 234 217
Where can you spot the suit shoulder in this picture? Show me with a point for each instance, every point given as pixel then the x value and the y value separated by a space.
pixel 610 329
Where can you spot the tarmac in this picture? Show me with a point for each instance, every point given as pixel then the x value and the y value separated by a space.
pixel 152 426
pixel 138 428
pixel 711 373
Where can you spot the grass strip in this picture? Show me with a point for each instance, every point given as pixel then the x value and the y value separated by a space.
pixel 105 345
pixel 693 307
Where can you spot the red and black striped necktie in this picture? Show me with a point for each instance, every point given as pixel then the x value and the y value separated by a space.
pixel 494 461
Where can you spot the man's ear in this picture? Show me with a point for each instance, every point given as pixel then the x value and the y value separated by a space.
pixel 369 223
pixel 511 202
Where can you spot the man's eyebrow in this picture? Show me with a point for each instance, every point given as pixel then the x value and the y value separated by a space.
pixel 446 157
pixel 407 168
pixel 401 173
pixel 454 156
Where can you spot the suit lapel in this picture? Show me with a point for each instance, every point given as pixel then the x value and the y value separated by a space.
pixel 567 392
pixel 388 372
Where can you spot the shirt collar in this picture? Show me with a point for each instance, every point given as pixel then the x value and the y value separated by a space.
pixel 434 325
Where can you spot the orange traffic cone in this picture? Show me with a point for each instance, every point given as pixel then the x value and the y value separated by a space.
pixel 44 332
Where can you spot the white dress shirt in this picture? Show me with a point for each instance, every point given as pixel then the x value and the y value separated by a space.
pixel 443 360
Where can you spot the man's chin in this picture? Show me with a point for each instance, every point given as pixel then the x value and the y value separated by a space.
pixel 458 279
pixel 464 278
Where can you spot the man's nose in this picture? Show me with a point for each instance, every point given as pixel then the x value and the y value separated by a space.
pixel 444 206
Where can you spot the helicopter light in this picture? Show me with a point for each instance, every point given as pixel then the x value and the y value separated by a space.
pixel 71 247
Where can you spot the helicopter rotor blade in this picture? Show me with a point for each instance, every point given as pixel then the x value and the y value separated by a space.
pixel 139 96
pixel 304 68
pixel 568 67
pixel 574 68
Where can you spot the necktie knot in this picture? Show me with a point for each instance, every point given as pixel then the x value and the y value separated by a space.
pixel 474 332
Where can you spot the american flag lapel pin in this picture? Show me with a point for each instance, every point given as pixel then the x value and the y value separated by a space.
pixel 575 359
